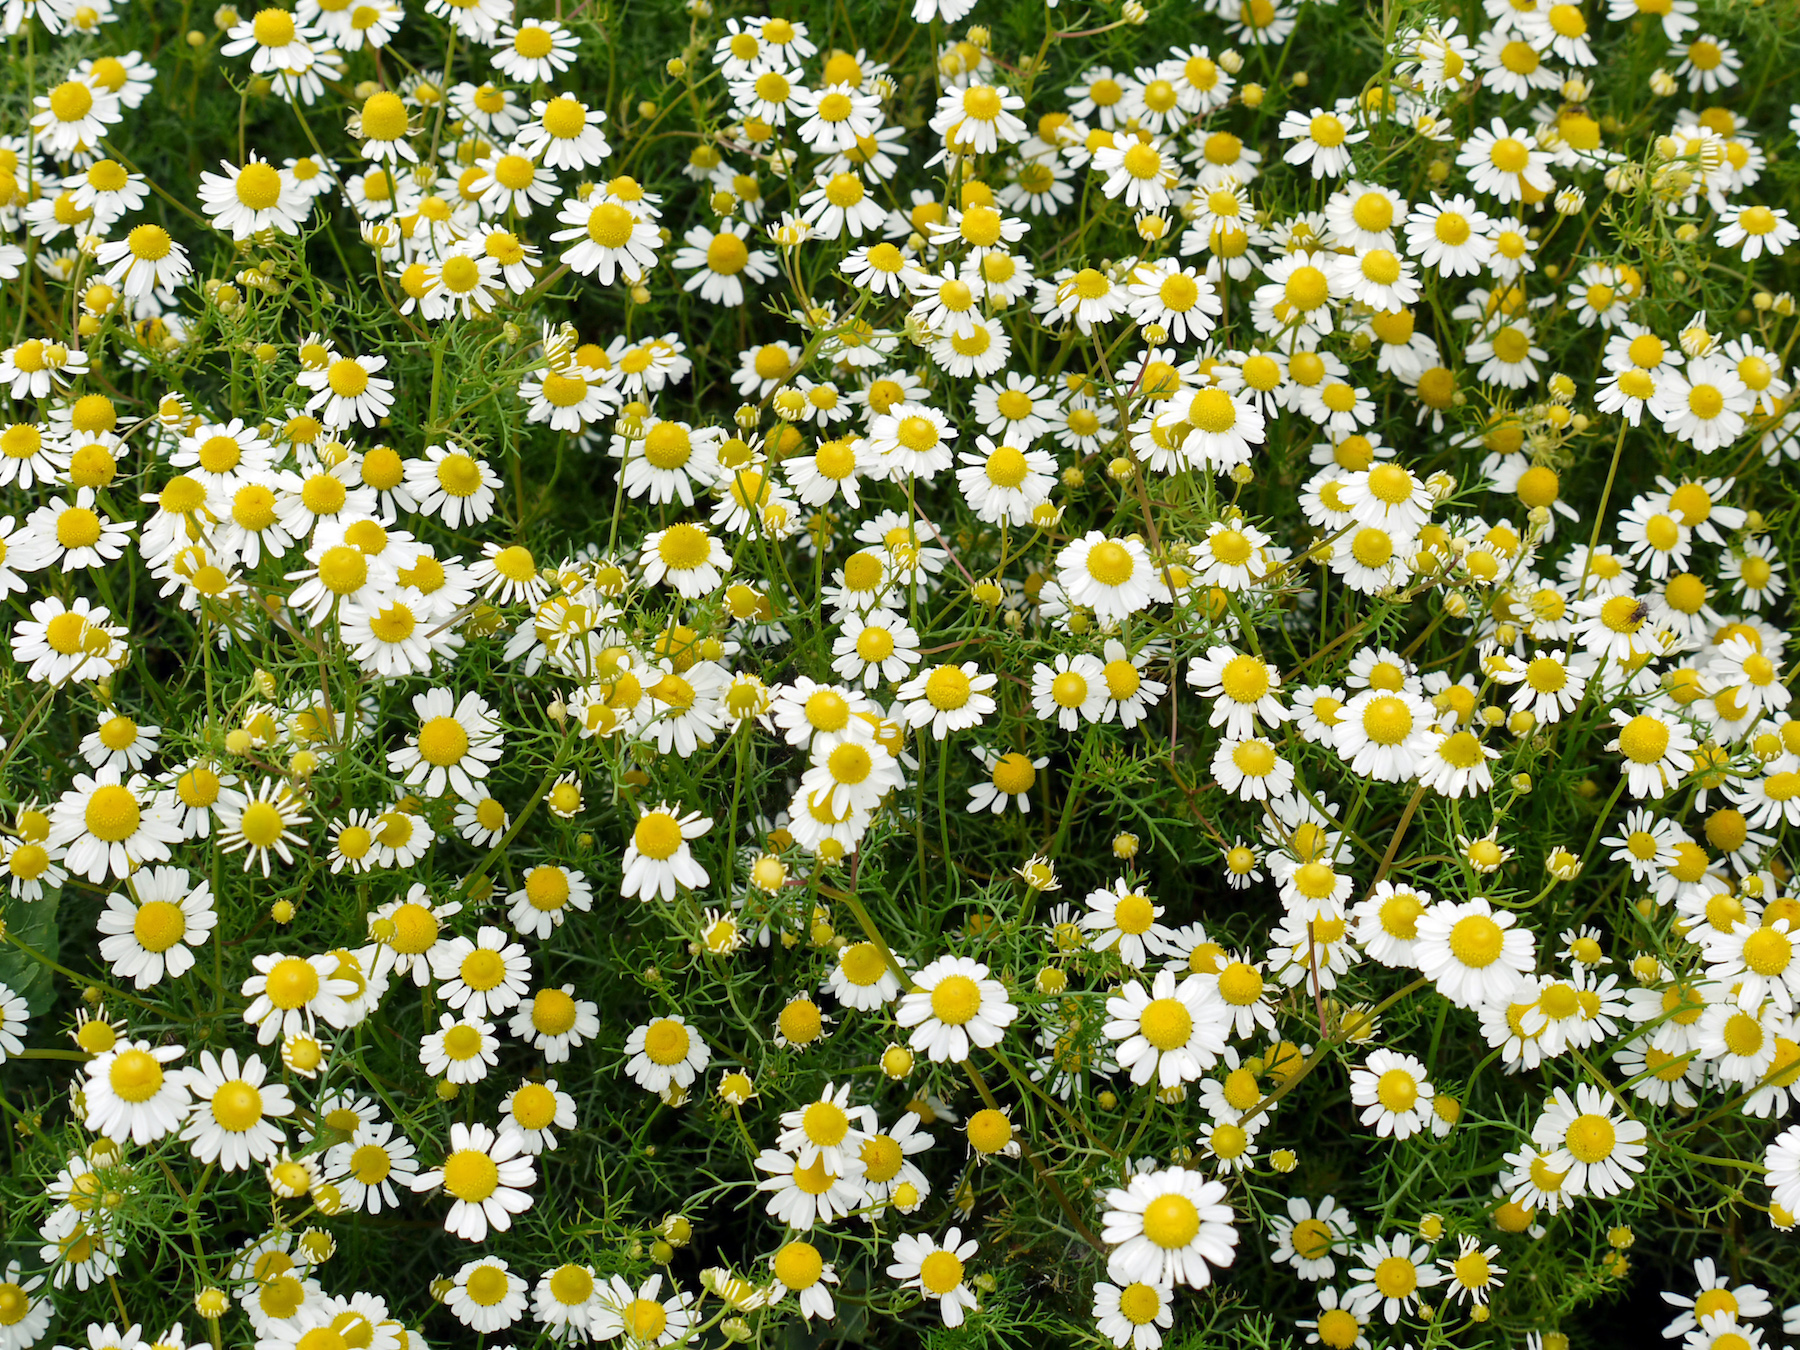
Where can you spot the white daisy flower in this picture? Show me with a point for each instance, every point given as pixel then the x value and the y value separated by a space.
pixel 132 1097
pixel 1598 1152
pixel 554 1021
pixel 937 1270
pixel 481 977
pixel 1124 919
pixel 456 742
pixel 486 1178
pixel 657 862
pixel 232 1120
pixel 460 1050
pixel 1474 954
pixel 1392 1273
pixel 371 1166
pixel 1171 1032
pixel 1394 1093
pixel 108 823
pixel 665 1052
pixel 289 994
pixel 640 1316
pixel 1168 1227
pixel 954 1005
pixel 148 930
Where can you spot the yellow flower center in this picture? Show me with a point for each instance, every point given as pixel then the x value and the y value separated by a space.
pixel 1590 1138
pixel 1240 984
pixel 1477 941
pixel 956 1000
pixel 135 1076
pixel 1171 1221
pixel 1166 1023
pixel 469 1174
pixel 666 1042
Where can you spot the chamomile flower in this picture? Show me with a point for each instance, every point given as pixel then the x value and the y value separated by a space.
pixel 979 119
pixel 74 116
pixel 148 931
pixel 1450 236
pixel 291 994
pixel 937 1270
pixel 1124 919
pixel 875 648
pixel 538 49
pixel 110 824
pixel 263 822
pixel 371 1167
pixel 686 558
pixel 1244 689
pixel 1170 1032
pixel 665 1053
pixel 658 861
pixel 481 976
pixel 547 895
pixel 535 1111
pixel 253 197
pixel 1168 1227
pixel 554 1022
pixel 606 239
pixel 1384 734
pixel 1708 63
pixel 485 1295
pixel 456 742
pixel 641 1314
pixel 567 1299
pixel 1715 1295
pixel 1011 778
pixel 1069 690
pixel 1394 1093
pixel 1222 428
pixel 132 1096
pixel 450 482
pixel 233 1121
pixel 1309 1238
pixel 803 1196
pixel 1321 140
pixel 486 1177
pixel 1704 405
pixel 955 1004
pixel 1655 749
pixel 1474 953
pixel 1598 1152
pixel 1391 1274
pixel 721 261
pixel 1339 1323
pixel 863 977
pixel 948 698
